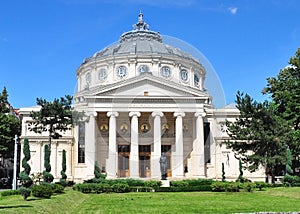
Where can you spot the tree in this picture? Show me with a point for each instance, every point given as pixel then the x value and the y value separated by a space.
pixel 223 173
pixel 258 135
pixel 48 177
pixel 241 178
pixel 64 166
pixel 24 175
pixel 284 90
pixel 54 117
pixel 9 126
pixel 288 177
pixel 97 171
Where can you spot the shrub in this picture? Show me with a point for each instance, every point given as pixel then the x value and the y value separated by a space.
pixel 182 183
pixel 25 192
pixel 248 186
pixel 233 187
pixel 64 166
pixel 218 186
pixel 120 188
pixel 10 192
pixel 57 188
pixel 260 185
pixel 26 181
pixel 48 177
pixel 42 191
pixel 153 184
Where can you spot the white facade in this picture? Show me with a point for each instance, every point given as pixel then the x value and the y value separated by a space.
pixel 141 98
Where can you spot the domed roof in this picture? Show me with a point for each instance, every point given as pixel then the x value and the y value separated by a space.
pixel 141 41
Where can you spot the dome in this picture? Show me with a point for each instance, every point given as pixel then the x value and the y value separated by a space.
pixel 142 41
pixel 141 50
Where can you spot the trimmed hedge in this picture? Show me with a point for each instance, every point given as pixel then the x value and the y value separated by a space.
pixel 42 191
pixel 10 192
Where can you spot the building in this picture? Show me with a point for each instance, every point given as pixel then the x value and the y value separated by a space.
pixel 141 98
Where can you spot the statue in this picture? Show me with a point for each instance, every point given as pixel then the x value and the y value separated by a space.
pixel 163 166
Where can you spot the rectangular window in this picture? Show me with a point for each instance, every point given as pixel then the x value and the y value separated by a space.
pixel 207 142
pixel 81 142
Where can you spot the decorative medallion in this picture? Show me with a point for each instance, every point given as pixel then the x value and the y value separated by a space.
pixel 145 127
pixel 165 71
pixel 184 75
pixel 124 128
pixel 121 71
pixel 104 128
pixel 102 75
pixel 143 68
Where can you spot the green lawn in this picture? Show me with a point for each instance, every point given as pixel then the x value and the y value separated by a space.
pixel 276 200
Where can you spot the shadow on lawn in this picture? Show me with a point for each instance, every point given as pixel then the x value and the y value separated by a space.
pixel 15 206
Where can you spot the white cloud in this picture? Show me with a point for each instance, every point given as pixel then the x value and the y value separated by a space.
pixel 233 10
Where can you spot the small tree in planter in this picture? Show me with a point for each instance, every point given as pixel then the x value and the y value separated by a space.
pixel 223 173
pixel 97 171
pixel 288 177
pixel 26 181
pixel 47 176
pixel 64 166
pixel 241 178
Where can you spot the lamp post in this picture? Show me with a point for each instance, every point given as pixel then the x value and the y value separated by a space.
pixel 14 185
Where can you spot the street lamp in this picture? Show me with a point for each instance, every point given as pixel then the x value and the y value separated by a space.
pixel 14 186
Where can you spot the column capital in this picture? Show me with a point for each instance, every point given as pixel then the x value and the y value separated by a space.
pixel 134 113
pixel 200 114
pixel 112 114
pixel 157 114
pixel 179 114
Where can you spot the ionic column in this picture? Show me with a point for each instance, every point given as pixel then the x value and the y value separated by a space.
pixel 90 144
pixel 55 143
pixel 198 165
pixel 69 157
pixel 111 164
pixel 177 155
pixel 155 171
pixel 134 146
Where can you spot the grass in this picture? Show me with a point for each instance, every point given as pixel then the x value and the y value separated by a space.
pixel 271 200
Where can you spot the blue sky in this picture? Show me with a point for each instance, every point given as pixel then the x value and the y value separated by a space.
pixel 42 42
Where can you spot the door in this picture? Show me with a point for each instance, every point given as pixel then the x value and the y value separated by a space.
pixel 123 161
pixel 167 150
pixel 144 161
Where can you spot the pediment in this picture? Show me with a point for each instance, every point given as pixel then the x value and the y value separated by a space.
pixel 146 85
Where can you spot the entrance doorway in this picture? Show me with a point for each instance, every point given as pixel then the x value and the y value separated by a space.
pixel 144 161
pixel 167 150
pixel 123 161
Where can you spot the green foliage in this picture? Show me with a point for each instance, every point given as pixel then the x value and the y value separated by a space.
pixel 25 192
pixel 10 126
pixel 47 158
pixel 260 185
pixel 57 188
pixel 47 176
pixel 97 171
pixel 258 135
pixel 249 186
pixel 26 152
pixel 223 173
pixel 10 192
pixel 120 188
pixel 240 178
pixel 26 181
pixel 64 166
pixel 42 191
pixel 218 186
pixel 182 183
pixel 54 117
pixel 152 183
